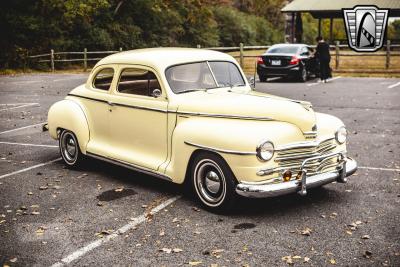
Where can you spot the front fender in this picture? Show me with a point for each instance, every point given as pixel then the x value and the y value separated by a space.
pixel 69 115
pixel 227 134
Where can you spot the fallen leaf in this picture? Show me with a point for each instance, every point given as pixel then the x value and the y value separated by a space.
pixel 30 193
pixel 119 189
pixel 288 260
pixel 177 250
pixel 365 237
pixel 144 206
pixel 307 231
pixel 195 263
pixel 296 257
pixel 306 259
pixel 162 233
pixel 13 260
pixel 99 203
pixel 349 232
pixel 367 254
pixel 43 187
pixel 35 213
pixel 175 220
pixel 195 209
pixel 358 222
pixel 166 250
pixel 332 261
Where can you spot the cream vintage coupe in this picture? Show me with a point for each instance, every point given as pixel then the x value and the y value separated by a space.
pixel 190 115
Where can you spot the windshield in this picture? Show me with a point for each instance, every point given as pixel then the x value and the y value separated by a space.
pixel 203 75
pixel 283 50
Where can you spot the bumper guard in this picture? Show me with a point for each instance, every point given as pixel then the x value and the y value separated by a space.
pixel 348 167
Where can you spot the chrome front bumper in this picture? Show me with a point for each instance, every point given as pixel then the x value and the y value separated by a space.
pixel 348 167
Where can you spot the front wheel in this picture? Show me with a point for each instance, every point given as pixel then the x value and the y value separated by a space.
pixel 213 182
pixel 69 149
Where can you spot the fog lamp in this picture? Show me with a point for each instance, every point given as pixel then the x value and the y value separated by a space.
pixel 287 175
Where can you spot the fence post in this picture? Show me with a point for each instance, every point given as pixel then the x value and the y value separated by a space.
pixel 337 54
pixel 198 46
pixel 387 54
pixel 241 55
pixel 120 49
pixel 52 59
pixel 85 59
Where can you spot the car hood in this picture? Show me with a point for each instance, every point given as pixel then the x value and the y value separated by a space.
pixel 251 105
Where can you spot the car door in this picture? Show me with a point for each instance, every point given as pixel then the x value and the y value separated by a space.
pixel 96 109
pixel 138 118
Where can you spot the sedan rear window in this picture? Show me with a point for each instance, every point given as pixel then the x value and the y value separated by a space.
pixel 283 50
pixel 103 79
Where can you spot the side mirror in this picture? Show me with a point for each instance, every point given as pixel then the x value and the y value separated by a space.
pixel 252 82
pixel 156 93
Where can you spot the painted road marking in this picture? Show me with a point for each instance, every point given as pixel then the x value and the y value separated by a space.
pixel 380 169
pixel 332 79
pixel 29 168
pixel 136 221
pixel 25 82
pixel 25 127
pixel 25 144
pixel 71 78
pixel 393 85
pixel 22 106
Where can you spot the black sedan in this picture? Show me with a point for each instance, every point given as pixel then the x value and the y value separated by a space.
pixel 287 60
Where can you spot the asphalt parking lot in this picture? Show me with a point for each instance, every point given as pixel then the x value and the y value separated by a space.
pixel 105 215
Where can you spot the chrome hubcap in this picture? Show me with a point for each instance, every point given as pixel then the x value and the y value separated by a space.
pixel 210 182
pixel 69 147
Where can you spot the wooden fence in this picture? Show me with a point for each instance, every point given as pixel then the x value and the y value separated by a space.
pixel 337 51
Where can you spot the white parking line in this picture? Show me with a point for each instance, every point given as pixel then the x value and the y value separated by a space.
pixel 380 169
pixel 22 106
pixel 29 168
pixel 136 221
pixel 393 85
pixel 14 104
pixel 70 78
pixel 25 144
pixel 332 79
pixel 25 82
pixel 25 127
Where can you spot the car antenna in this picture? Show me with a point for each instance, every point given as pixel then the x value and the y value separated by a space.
pixel 254 76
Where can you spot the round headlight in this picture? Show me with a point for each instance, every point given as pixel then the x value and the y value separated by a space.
pixel 341 135
pixel 265 150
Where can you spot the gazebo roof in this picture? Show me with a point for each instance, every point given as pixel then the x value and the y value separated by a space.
pixel 333 8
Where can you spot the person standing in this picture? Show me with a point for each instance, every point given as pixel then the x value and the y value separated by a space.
pixel 322 54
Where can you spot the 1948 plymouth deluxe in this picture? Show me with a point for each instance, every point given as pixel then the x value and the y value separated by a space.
pixel 190 115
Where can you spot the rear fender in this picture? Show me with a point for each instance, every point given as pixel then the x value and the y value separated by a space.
pixel 69 115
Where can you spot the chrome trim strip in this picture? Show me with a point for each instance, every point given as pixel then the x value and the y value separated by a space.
pixel 302 144
pixel 130 166
pixel 276 189
pixel 223 116
pixel 220 150
pixel 120 104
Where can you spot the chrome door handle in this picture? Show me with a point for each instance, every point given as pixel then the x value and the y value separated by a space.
pixel 110 103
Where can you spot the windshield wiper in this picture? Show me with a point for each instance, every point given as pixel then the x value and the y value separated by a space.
pixel 190 90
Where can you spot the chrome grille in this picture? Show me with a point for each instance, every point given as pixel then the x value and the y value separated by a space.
pixel 293 156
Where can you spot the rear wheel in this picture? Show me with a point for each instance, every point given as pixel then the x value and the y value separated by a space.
pixel 303 74
pixel 213 182
pixel 69 149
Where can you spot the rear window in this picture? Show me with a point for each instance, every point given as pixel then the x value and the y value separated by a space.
pixel 283 50
pixel 103 79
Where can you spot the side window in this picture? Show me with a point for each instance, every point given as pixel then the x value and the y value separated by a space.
pixel 138 82
pixel 103 79
pixel 304 51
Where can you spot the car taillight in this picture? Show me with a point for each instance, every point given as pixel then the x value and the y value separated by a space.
pixel 294 61
pixel 260 60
